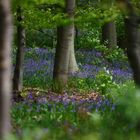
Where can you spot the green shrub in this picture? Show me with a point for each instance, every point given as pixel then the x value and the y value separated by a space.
pixel 104 81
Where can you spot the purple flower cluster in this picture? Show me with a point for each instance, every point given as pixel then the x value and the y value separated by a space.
pixel 91 62
pixel 39 63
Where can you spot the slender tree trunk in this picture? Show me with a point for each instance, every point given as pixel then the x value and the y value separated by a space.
pixel 5 67
pixel 21 43
pixel 132 28
pixel 65 40
pixel 109 34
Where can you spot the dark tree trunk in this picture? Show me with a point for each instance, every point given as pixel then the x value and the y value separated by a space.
pixel 76 35
pixel 21 43
pixel 122 43
pixel 132 31
pixel 76 32
pixel 132 28
pixel 5 67
pixel 109 34
pixel 64 43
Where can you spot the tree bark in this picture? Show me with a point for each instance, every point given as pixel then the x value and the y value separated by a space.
pixel 132 23
pixel 21 44
pixel 65 41
pixel 60 72
pixel 109 34
pixel 122 42
pixel 5 67
pixel 73 67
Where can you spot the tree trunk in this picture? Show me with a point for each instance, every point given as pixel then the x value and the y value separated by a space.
pixel 73 67
pixel 122 42
pixel 5 67
pixel 109 34
pixel 132 23
pixel 60 72
pixel 21 43
pixel 65 41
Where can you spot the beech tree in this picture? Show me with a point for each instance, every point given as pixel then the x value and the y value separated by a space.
pixel 5 67
pixel 64 58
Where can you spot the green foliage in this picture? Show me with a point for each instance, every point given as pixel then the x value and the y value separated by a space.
pixel 120 26
pixel 40 14
pixel 58 121
pixel 111 54
pixel 114 54
pixel 58 87
pixel 96 15
pixel 36 18
pixel 36 81
pixel 59 2
pixel 104 81
pixel 124 122
pixel 88 38
pixel 82 85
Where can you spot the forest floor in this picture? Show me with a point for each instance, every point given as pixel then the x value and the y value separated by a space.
pixel 84 110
